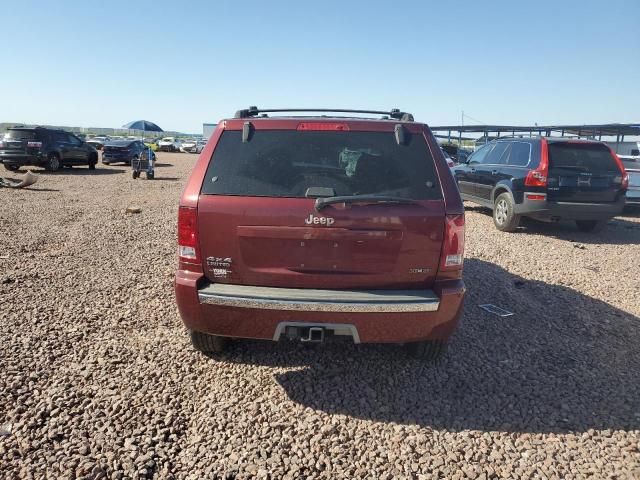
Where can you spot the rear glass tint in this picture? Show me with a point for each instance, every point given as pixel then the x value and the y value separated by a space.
pixel 285 163
pixel 20 135
pixel 585 157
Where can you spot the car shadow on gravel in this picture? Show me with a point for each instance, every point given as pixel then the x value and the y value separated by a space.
pixel 80 171
pixel 563 362
pixel 617 231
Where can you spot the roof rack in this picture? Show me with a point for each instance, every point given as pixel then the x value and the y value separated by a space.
pixel 394 113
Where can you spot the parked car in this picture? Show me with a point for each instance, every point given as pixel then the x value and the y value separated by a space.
pixel 450 162
pixel 545 178
pixel 632 166
pixel 457 154
pixel 193 146
pixel 169 144
pixel 629 153
pixel 98 142
pixel 626 149
pixel 123 151
pixel 46 147
pixel 307 228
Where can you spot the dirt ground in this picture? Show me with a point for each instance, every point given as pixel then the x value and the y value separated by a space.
pixel 98 378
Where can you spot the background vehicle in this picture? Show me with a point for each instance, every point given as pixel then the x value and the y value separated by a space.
pixel 450 162
pixel 629 153
pixel 193 146
pixel 123 151
pixel 626 149
pixel 545 178
pixel 169 144
pixel 457 154
pixel 98 142
pixel 45 147
pixel 308 228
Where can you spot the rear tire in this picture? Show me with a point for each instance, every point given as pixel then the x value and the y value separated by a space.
pixel 150 176
pixel 208 343
pixel 504 217
pixel 53 162
pixel 429 350
pixel 590 225
pixel 135 174
pixel 93 160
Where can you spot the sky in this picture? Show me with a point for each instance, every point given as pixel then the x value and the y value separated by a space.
pixel 181 64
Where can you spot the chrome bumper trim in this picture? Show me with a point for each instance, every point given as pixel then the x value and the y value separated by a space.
pixel 311 300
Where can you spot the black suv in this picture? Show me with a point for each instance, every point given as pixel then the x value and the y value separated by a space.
pixel 44 147
pixel 545 178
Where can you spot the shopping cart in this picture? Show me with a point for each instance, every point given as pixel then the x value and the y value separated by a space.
pixel 144 163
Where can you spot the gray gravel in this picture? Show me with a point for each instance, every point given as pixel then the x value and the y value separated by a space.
pixel 98 378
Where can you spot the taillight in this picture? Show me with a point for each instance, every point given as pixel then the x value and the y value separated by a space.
pixel 538 176
pixel 314 126
pixel 625 176
pixel 34 144
pixel 453 246
pixel 188 235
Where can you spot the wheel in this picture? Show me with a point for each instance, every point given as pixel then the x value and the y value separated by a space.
pixel 207 343
pixel 53 162
pixel 93 160
pixel 590 225
pixel 504 217
pixel 11 168
pixel 429 350
pixel 150 175
pixel 135 174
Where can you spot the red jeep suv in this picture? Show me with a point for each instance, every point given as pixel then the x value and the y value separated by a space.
pixel 308 228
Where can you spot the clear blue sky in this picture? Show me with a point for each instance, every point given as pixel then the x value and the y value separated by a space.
pixel 180 64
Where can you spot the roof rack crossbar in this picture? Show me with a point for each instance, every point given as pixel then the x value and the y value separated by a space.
pixel 393 113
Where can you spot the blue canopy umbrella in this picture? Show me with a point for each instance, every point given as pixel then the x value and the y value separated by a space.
pixel 144 125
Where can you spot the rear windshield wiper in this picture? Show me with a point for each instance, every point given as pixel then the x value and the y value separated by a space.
pixel 323 202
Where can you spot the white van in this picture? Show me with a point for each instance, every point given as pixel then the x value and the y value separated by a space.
pixel 626 149
pixel 629 153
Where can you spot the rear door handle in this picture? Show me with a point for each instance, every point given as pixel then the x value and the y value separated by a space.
pixel 494 172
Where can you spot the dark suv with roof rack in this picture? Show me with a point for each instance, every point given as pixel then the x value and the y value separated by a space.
pixel 310 228
pixel 545 178
pixel 46 147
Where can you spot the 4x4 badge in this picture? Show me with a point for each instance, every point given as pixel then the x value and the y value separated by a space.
pixel 313 220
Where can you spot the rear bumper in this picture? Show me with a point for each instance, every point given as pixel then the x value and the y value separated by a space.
pixel 21 159
pixel 375 317
pixel 116 157
pixel 548 210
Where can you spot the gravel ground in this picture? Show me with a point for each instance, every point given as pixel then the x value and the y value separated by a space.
pixel 98 378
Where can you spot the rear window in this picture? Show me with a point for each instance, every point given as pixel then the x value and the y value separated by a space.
pixel 586 157
pixel 20 135
pixel 285 163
